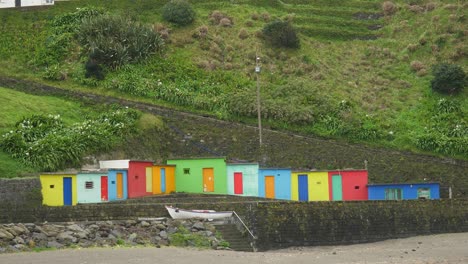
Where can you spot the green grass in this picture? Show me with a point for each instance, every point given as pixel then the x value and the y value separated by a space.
pixel 334 61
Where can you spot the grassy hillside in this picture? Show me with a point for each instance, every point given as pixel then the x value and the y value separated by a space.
pixel 359 75
pixel 16 105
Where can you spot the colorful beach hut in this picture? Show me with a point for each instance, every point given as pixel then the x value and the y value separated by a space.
pixel 309 186
pixel 242 179
pixel 117 184
pixel 348 185
pixel 274 183
pixel 163 179
pixel 200 175
pixel 58 189
pixel 404 191
pixel 92 186
pixel 139 175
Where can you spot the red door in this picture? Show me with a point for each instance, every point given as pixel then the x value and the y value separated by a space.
pixel 238 186
pixel 104 194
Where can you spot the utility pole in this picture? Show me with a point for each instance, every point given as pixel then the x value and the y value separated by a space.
pixel 259 114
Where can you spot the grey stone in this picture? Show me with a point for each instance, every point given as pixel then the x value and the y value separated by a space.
pixel 39 237
pixel 20 229
pixel 93 227
pixel 144 224
pixel 116 233
pixel 11 231
pixel 85 243
pixel 30 226
pixel 18 240
pixel 75 228
pixel 160 226
pixel 163 234
pixel 163 242
pixel 66 237
pixel 110 223
pixel 2 250
pixel 129 223
pixel 198 226
pixel 5 235
pixel 171 230
pixel 54 244
pixel 208 233
pixel 132 237
pixel 81 235
pixel 52 230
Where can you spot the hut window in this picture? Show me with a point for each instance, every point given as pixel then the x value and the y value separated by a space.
pixel 356 187
pixel 52 186
pixel 186 171
pixel 393 194
pixel 319 182
pixel 89 185
pixel 113 182
pixel 136 176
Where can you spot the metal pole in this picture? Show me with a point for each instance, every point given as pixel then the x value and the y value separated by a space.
pixel 259 114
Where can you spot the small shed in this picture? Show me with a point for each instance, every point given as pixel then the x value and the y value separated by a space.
pixel 200 175
pixel 274 183
pixel 242 179
pixel 309 186
pixel 404 191
pixel 58 189
pixel 163 179
pixel 117 184
pixel 348 185
pixel 92 186
pixel 24 3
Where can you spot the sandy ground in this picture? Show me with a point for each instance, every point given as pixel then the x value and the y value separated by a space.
pixel 445 248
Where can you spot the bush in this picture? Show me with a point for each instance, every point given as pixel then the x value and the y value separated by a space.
pixel 115 41
pixel 281 34
pixel 448 78
pixel 179 12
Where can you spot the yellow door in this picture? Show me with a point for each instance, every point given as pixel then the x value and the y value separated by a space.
pixel 119 185
pixel 208 180
pixel 149 179
pixel 270 187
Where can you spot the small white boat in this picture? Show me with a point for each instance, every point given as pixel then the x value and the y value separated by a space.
pixel 177 213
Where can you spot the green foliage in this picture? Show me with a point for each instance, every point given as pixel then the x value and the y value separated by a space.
pixel 281 34
pixel 184 238
pixel 448 78
pixel 179 12
pixel 45 143
pixel 115 41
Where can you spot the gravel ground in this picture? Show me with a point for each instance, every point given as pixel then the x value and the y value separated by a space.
pixel 444 248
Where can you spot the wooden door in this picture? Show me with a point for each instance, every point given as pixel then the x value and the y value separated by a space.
pixel 163 180
pixel 104 189
pixel 303 187
pixel 67 191
pixel 238 185
pixel 119 185
pixel 337 188
pixel 270 187
pixel 149 179
pixel 208 180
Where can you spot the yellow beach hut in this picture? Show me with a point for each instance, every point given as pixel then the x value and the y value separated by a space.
pixel 58 189
pixel 309 186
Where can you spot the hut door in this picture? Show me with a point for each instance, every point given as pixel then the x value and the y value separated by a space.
pixel 337 189
pixel 238 185
pixel 17 3
pixel 270 187
pixel 104 192
pixel 208 180
pixel 67 191
pixel 119 185
pixel 149 179
pixel 303 186
pixel 163 180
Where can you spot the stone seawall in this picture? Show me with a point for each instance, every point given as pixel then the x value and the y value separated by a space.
pixel 21 191
pixel 281 224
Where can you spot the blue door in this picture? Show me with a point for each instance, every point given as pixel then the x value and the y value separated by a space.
pixel 303 188
pixel 163 180
pixel 67 191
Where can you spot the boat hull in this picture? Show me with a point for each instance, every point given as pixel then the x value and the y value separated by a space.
pixel 177 213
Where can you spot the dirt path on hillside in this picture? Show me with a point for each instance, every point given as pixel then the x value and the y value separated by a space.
pixel 445 248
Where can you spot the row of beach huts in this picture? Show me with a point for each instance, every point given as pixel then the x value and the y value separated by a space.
pixel 124 179
pixel 24 3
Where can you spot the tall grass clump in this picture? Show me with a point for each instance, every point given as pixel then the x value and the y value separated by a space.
pixel 114 41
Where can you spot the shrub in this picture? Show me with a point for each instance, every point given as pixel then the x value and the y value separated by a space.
pixel 417 66
pixel 281 34
pixel 225 22
pixel 448 78
pixel 243 34
pixel 179 12
pixel 115 41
